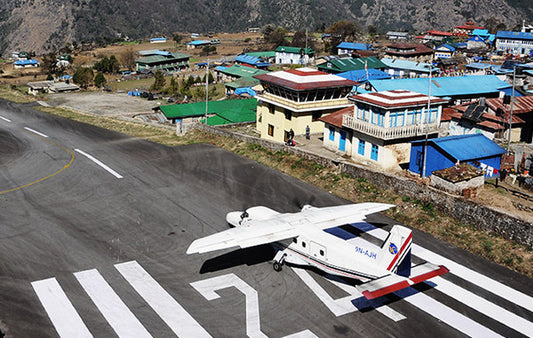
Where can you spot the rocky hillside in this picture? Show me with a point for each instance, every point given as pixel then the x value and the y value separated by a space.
pixel 47 25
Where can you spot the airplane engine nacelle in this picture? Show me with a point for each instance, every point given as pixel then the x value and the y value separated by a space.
pixel 234 218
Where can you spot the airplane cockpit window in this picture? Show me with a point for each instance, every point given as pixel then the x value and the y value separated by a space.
pixel 295 240
pixel 321 252
pixel 303 244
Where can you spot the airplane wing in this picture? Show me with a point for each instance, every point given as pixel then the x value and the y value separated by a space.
pixel 329 217
pixel 272 226
pixel 244 237
pixel 393 282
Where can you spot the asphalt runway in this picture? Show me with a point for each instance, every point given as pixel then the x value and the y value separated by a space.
pixel 94 226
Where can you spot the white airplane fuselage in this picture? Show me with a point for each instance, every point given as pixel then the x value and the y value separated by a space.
pixel 334 255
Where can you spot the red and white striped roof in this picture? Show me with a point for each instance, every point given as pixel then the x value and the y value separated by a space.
pixel 396 99
pixel 305 79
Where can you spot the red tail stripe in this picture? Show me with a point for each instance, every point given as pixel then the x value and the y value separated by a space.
pixel 437 272
pixel 386 290
pixel 407 241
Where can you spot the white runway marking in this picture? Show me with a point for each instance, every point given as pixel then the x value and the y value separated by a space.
pixel 90 157
pixel 445 314
pixel 485 307
pixel 469 299
pixel 36 132
pixel 65 318
pixel 119 316
pixel 172 313
pixel 344 305
pixel 302 334
pixel 208 288
pixel 5 119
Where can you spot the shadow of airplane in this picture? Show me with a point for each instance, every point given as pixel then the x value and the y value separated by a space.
pixel 248 256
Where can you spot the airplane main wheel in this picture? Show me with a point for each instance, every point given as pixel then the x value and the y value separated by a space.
pixel 277 266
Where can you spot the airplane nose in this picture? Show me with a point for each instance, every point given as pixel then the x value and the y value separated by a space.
pixel 233 218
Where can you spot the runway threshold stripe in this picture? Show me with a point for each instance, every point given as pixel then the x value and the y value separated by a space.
pixel 172 313
pixel 36 132
pixel 445 314
pixel 117 314
pixel 95 160
pixel 485 307
pixel 5 119
pixel 65 318
pixel 489 284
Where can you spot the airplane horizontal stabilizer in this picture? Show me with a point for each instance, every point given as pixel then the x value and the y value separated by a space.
pixel 393 282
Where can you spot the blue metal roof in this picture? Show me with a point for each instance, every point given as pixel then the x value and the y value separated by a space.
pixel 199 42
pixel 26 62
pixel 362 76
pixel 514 35
pixel 353 45
pixel 252 60
pixel 420 67
pixel 479 65
pixel 447 46
pixel 480 32
pixel 445 86
pixel 467 147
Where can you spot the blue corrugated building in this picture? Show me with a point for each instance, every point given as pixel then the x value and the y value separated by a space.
pixel 349 47
pixel 252 61
pixel 444 152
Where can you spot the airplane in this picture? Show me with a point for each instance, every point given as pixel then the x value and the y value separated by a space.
pixel 302 239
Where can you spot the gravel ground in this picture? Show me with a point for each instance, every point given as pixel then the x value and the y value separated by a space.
pixel 102 103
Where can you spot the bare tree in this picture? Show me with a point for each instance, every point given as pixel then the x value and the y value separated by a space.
pixel 127 59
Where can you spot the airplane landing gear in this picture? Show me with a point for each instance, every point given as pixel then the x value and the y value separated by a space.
pixel 278 261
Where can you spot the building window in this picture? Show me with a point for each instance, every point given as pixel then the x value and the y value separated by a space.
pixel 271 108
pixel 270 130
pixel 397 118
pixel 316 115
pixel 331 134
pixel 361 149
pixel 374 153
pixel 288 114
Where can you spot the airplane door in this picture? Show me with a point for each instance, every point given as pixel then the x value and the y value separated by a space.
pixel 318 251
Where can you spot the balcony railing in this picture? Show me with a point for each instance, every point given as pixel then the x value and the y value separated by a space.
pixel 388 133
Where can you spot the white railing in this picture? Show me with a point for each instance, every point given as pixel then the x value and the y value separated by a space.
pixel 388 133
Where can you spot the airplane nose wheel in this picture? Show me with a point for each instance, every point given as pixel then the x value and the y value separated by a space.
pixel 277 266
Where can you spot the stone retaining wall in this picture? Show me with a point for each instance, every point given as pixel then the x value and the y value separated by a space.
pixel 463 210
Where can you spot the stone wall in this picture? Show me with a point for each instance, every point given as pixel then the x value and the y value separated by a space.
pixel 461 209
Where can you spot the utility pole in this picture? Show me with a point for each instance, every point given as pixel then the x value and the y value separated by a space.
pixel 511 114
pixel 427 118
pixel 206 90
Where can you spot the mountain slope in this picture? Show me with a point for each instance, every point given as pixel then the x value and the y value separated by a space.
pixel 46 25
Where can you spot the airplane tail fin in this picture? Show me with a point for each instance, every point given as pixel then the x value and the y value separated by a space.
pixel 395 254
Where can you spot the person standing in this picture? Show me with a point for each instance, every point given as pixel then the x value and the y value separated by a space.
pixel 291 134
pixel 308 133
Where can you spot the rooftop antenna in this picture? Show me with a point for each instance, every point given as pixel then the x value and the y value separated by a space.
pixel 305 52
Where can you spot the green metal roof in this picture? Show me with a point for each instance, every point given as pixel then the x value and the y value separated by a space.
pixel 347 64
pixel 295 50
pixel 243 82
pixel 176 57
pixel 243 71
pixel 265 55
pixel 233 111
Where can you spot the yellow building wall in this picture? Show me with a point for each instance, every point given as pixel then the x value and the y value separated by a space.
pixel 298 122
